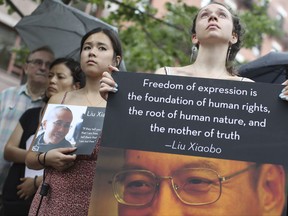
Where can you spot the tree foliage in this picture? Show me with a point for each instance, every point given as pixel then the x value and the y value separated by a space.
pixel 150 42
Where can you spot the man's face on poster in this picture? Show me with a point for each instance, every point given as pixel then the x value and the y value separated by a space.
pixel 170 184
pixel 57 126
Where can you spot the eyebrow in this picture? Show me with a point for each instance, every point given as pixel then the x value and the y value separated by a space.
pixel 59 120
pixel 97 43
pixel 202 163
pixel 208 10
pixel 57 72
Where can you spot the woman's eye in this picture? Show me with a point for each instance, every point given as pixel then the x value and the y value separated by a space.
pixel 102 48
pixel 86 48
pixel 222 15
pixel 204 15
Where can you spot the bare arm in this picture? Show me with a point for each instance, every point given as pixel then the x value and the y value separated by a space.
pixel 28 186
pixel 31 159
pixel 59 158
pixel 160 71
pixel 57 98
pixel 12 152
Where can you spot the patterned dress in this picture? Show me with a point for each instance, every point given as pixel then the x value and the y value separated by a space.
pixel 70 190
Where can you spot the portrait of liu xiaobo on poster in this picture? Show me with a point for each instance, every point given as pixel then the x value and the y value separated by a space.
pixel 64 126
pixel 191 146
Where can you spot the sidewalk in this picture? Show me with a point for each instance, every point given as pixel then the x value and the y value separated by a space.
pixel 7 80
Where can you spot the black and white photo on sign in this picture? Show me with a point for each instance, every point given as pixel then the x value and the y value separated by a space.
pixel 58 126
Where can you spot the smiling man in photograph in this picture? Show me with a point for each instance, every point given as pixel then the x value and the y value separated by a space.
pixel 56 125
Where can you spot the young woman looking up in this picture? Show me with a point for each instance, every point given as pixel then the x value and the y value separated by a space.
pixel 216 36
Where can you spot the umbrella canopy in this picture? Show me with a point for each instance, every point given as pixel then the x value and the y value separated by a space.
pixel 58 26
pixel 270 68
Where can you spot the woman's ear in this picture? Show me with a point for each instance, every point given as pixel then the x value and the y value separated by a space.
pixel 76 85
pixel 117 61
pixel 234 38
pixel 194 39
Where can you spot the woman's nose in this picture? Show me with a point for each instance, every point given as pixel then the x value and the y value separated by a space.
pixel 52 79
pixel 212 17
pixel 92 52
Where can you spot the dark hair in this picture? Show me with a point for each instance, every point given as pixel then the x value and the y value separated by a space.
pixel 237 28
pixel 43 48
pixel 74 66
pixel 76 72
pixel 112 36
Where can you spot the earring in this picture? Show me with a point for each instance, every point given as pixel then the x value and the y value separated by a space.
pixel 228 54
pixel 193 53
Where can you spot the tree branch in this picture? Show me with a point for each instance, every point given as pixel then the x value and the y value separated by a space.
pixel 147 14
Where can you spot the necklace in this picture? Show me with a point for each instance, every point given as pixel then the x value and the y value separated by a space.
pixel 94 104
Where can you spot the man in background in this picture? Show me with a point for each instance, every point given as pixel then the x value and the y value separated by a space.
pixel 14 101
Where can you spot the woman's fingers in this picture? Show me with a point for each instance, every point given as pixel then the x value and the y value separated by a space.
pixel 107 84
pixel 284 93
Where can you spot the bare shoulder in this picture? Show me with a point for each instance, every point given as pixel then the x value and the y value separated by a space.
pixel 239 78
pixel 75 97
pixel 160 71
pixel 180 71
pixel 167 70
pixel 57 98
pixel 67 97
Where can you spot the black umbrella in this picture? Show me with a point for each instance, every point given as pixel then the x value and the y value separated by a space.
pixel 270 68
pixel 59 26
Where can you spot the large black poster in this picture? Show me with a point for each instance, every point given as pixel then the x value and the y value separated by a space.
pixel 188 146
pixel 202 117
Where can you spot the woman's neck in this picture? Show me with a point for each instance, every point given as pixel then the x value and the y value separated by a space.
pixel 92 94
pixel 211 62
